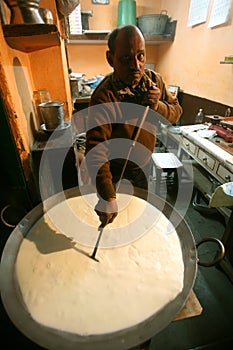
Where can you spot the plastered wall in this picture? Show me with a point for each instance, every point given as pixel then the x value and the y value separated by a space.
pixel 20 74
pixel 90 59
pixel 191 61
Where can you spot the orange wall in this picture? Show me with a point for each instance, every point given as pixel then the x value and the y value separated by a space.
pixel 90 59
pixel 25 72
pixel 191 61
pixel 105 16
pixel 14 65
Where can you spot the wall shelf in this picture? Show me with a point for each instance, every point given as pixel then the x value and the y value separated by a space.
pixel 226 62
pixel 102 38
pixel 31 37
pixel 83 39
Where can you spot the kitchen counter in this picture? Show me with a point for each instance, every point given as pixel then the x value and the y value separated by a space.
pixel 212 165
pixel 211 154
pixel 214 155
pixel 81 102
pixel 56 150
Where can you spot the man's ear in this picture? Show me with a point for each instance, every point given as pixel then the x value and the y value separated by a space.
pixel 109 58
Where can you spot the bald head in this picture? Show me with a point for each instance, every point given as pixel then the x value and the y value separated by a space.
pixel 127 54
pixel 123 33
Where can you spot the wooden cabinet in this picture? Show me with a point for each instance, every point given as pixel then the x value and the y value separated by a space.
pixel 208 154
pixel 224 174
pixel 206 159
pixel 188 145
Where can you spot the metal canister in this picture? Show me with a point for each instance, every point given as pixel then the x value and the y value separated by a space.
pixel 46 15
pixel 53 114
pixel 74 86
pixel 24 11
pixel 126 12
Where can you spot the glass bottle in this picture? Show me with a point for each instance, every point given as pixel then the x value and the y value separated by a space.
pixel 199 117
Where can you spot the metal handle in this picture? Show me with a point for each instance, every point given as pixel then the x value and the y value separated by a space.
pixel 163 12
pixel 205 159
pixel 219 256
pixel 92 256
pixel 3 218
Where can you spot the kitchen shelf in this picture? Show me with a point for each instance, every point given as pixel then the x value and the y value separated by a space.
pixel 102 38
pixel 31 37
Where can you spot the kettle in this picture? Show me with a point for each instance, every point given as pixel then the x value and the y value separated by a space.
pixel 53 114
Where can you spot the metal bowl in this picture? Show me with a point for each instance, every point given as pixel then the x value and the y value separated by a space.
pixel 124 339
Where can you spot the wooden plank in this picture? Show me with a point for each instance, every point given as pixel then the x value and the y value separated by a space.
pixel 16 30
pixel 28 38
pixel 191 308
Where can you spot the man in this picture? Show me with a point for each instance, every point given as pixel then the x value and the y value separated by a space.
pixel 114 107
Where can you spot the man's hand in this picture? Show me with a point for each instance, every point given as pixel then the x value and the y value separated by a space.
pixel 152 96
pixel 106 210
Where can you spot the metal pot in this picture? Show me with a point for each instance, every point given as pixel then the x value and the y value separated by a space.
pixel 46 15
pixel 24 11
pixel 53 114
pixel 74 86
pixel 124 339
pixel 153 24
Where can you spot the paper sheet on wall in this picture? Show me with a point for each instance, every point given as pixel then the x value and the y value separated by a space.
pixel 220 12
pixel 198 12
pixel 75 21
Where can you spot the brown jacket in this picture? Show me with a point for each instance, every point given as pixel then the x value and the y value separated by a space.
pixel 115 112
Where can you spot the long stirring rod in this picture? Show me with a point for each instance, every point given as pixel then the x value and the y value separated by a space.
pixel 132 146
pixel 96 245
pixel 92 256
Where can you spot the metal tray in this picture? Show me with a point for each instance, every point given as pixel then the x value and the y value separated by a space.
pixel 227 122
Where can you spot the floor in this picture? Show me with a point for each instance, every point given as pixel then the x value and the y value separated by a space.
pixel 213 329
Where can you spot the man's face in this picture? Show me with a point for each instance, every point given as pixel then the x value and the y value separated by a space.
pixel 129 58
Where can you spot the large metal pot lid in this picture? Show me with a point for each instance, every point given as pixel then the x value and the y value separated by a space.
pixel 124 339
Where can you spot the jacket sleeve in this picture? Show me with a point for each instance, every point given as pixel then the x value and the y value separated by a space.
pixel 97 153
pixel 169 106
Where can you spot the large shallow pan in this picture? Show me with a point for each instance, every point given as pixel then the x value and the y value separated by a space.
pixel 54 339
